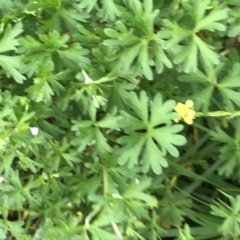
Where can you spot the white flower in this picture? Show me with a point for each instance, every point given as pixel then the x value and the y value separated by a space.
pixel 87 78
pixel 34 131
pixel 2 179
pixel 136 181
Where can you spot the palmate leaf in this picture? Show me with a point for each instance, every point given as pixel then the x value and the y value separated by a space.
pixel 188 56
pixel 121 37
pixel 205 19
pixel 234 19
pixel 90 132
pixel 74 54
pixel 173 33
pixel 109 10
pixel 208 22
pixel 167 137
pixel 125 58
pixel 230 160
pixel 160 58
pixel 229 86
pixel 230 214
pixel 61 14
pixel 8 41
pixel 140 15
pixel 195 48
pixel 229 153
pixel 136 191
pixel 11 64
pixel 173 207
pixel 90 136
pixel 140 52
pixel 212 80
pixel 86 37
pixel 71 18
pixel 52 48
pixel 208 56
pixel 203 98
pixel 52 23
pixel 152 156
pixel 45 84
pixel 211 20
pixel 131 152
pixel 88 5
pixel 145 140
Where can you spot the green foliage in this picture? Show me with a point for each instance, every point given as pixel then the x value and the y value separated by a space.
pixel 11 64
pixel 95 103
pixel 230 225
pixel 151 136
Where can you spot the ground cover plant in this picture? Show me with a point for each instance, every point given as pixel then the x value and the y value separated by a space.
pixel 119 119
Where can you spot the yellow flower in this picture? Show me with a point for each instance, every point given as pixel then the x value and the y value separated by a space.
pixel 185 111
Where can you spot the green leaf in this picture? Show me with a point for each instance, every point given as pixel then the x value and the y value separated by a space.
pixel 188 57
pixel 12 66
pixel 161 58
pixel 144 61
pixel 163 114
pixel 101 234
pixel 8 41
pixel 139 105
pixel 2 234
pixel 167 137
pixel 136 191
pixel 88 5
pixel 199 9
pixel 109 121
pixel 208 56
pixel 234 31
pixel 231 215
pixel 75 54
pixel 143 133
pixel 101 142
pixel 71 18
pixel 210 22
pixel 127 57
pixel 173 33
pixel 129 155
pixel 44 4
pixel 152 157
pixel 185 234
pixel 109 11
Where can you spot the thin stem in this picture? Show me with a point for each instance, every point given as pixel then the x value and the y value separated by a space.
pixel 201 127
pixel 219 114
pixel 225 52
pixel 105 180
pixel 90 216
pixel 116 229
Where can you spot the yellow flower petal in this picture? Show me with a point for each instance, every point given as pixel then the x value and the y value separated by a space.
pixel 185 111
pixel 190 116
pixel 188 120
pixel 189 103
pixel 191 113
pixel 178 107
